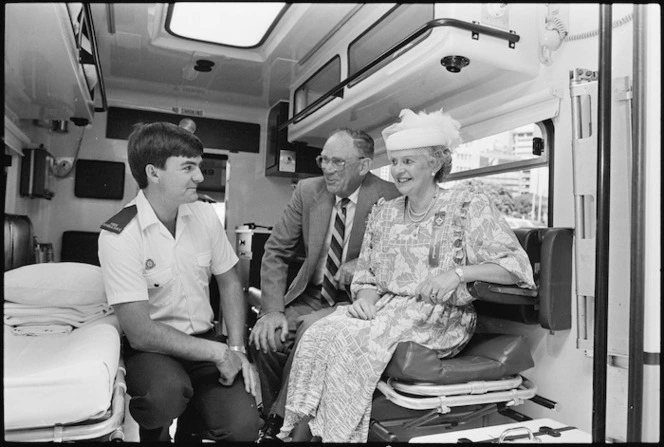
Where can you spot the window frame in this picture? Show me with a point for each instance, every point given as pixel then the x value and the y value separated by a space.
pixel 548 132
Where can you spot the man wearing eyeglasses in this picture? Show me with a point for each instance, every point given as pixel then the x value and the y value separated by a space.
pixel 317 205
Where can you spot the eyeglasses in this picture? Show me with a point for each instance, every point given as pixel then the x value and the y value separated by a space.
pixel 337 163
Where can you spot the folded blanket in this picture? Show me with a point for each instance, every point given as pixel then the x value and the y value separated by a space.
pixel 47 329
pixel 28 315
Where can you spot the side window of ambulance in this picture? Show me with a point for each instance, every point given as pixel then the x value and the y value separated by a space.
pixel 512 168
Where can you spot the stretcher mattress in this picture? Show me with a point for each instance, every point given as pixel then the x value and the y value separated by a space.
pixel 60 379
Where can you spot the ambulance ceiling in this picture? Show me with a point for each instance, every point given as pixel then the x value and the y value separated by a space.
pixel 139 55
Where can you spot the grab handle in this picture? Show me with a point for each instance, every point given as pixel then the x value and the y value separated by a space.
pixel 506 433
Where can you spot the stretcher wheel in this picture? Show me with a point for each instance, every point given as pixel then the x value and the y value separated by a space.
pixel 116 436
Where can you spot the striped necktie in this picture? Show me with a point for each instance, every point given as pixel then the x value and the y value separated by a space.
pixel 333 261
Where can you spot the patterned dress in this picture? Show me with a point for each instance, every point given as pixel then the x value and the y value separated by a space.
pixel 340 359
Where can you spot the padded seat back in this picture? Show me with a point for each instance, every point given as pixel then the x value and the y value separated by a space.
pixel 19 241
pixel 550 254
pixel 80 246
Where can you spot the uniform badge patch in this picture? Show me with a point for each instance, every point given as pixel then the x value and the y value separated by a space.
pixel 118 222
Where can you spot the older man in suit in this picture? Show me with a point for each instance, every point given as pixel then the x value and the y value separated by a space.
pixel 327 217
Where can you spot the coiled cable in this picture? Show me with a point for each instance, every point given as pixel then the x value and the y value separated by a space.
pixel 595 32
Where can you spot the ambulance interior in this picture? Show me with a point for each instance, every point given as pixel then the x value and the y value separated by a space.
pixel 522 79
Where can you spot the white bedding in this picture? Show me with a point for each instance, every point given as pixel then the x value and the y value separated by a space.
pixel 60 379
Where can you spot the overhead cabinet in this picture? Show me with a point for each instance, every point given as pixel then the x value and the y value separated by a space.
pixel 283 158
pixel 417 56
pixel 52 71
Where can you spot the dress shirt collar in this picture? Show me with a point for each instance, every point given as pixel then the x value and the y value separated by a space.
pixel 146 215
pixel 353 197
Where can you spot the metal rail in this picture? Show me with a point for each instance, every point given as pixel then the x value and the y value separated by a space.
pixel 638 231
pixel 475 28
pixel 603 220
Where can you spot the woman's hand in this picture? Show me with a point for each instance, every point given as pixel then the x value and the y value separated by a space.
pixel 364 307
pixel 438 289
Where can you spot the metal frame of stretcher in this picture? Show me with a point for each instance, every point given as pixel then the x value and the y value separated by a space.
pixel 111 424
pixel 512 391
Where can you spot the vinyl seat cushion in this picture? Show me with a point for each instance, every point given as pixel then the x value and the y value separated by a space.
pixel 487 357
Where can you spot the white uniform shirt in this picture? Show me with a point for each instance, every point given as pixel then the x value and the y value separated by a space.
pixel 145 263
pixel 348 227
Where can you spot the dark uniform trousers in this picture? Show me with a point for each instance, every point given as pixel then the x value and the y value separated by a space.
pixel 274 366
pixel 164 388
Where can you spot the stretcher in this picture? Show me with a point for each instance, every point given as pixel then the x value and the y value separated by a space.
pixel 64 387
pixel 420 394
pixel 64 379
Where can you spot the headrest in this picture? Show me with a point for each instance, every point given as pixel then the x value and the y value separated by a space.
pixel 19 241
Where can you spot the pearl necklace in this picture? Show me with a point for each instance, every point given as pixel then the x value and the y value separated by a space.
pixel 418 217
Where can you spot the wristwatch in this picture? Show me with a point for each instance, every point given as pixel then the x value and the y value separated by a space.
pixel 241 349
pixel 459 273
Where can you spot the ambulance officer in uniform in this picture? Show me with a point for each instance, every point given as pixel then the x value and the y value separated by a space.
pixel 157 256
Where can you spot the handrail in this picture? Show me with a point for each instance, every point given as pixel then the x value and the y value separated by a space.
pixel 476 28
pixel 95 54
pixel 638 231
pixel 602 235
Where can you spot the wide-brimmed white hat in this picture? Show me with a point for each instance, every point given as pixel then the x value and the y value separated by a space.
pixel 422 130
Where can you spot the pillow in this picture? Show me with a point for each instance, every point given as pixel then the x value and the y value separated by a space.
pixel 55 284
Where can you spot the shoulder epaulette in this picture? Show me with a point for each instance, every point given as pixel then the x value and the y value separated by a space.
pixel 118 222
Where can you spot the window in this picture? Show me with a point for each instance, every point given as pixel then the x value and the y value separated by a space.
pixel 391 29
pixel 505 168
pixel 383 172
pixel 317 85
pixel 213 169
pixel 220 211
pixel 212 189
pixel 242 24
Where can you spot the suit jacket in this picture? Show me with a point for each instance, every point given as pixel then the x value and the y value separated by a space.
pixel 305 221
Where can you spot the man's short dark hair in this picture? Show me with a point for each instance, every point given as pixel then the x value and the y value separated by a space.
pixel 154 143
pixel 361 140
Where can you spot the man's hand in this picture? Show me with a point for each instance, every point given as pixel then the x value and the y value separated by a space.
pixel 264 333
pixel 344 275
pixel 249 373
pixel 229 365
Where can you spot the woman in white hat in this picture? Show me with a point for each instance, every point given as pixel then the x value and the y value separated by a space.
pixel 419 250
